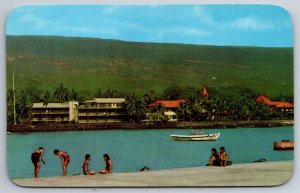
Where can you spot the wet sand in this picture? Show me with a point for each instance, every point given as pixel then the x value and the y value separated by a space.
pixel 249 174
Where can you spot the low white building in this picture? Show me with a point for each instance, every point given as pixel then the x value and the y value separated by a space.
pixel 44 113
pixel 99 110
pixel 171 115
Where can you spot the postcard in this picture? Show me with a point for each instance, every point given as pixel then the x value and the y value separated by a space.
pixel 165 95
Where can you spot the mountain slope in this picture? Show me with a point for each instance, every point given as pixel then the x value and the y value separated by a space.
pixel 86 64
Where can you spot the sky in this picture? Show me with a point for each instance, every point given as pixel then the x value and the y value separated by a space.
pixel 235 25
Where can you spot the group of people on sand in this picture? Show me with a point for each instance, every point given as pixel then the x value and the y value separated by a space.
pixel 218 159
pixel 37 158
pixel 106 170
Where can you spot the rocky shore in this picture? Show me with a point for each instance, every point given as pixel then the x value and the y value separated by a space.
pixel 147 125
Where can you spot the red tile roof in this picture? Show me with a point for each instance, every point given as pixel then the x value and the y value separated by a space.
pixel 283 104
pixel 265 100
pixel 204 92
pixel 167 103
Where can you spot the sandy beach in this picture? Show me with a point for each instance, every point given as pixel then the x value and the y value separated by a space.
pixel 249 174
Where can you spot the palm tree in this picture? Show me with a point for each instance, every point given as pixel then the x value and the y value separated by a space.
pixel 173 92
pixel 156 117
pixel 135 107
pixel 23 107
pixel 184 111
pixel 61 93
pixel 74 96
pixel 110 93
pixel 98 93
pixel 149 96
pixel 199 112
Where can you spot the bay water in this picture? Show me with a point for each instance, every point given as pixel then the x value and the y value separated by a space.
pixel 131 150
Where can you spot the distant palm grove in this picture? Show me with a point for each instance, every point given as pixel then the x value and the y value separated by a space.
pixel 226 103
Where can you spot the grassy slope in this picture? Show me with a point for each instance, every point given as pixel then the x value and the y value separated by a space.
pixel 86 64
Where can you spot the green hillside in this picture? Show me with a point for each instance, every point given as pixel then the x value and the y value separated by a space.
pixel 86 64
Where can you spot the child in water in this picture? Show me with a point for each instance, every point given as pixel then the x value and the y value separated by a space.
pixel 85 166
pixel 223 157
pixel 108 165
pixel 65 160
pixel 37 158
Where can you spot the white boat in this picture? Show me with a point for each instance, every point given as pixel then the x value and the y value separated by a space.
pixel 196 137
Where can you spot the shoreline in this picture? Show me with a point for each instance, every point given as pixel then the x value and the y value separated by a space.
pixel 157 125
pixel 247 174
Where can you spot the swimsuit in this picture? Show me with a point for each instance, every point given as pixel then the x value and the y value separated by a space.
pixel 84 170
pixel 35 157
pixel 66 157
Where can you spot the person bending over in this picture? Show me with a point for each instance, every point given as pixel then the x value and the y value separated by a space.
pixel 65 160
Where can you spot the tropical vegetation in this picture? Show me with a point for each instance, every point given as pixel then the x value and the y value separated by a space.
pixel 230 103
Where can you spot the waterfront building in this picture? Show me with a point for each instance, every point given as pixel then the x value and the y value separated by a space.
pixel 99 110
pixel 170 107
pixel 286 106
pixel 47 113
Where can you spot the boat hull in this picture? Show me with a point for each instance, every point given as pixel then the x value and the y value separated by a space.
pixel 201 137
pixel 284 145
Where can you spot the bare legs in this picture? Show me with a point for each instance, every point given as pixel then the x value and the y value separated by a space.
pixel 64 168
pixel 36 169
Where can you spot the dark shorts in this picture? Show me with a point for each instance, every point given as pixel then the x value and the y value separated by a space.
pixel 35 157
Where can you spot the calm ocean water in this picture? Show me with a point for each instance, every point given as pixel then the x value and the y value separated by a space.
pixel 131 150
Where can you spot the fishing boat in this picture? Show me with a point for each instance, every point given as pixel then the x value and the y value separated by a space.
pixel 196 137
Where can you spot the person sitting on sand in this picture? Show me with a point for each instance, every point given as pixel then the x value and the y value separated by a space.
pixel 65 160
pixel 214 159
pixel 85 166
pixel 37 158
pixel 223 157
pixel 108 165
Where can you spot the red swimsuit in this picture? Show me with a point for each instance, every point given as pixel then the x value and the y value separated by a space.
pixel 66 157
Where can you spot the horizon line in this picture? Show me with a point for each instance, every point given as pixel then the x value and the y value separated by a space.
pixel 151 42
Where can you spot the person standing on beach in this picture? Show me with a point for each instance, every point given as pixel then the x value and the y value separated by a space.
pixel 37 158
pixel 108 165
pixel 65 160
pixel 85 166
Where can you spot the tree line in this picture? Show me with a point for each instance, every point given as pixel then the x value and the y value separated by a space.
pixel 231 103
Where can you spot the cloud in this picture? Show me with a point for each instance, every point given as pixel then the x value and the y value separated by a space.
pixel 204 15
pixel 250 23
pixel 45 26
pixel 38 23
